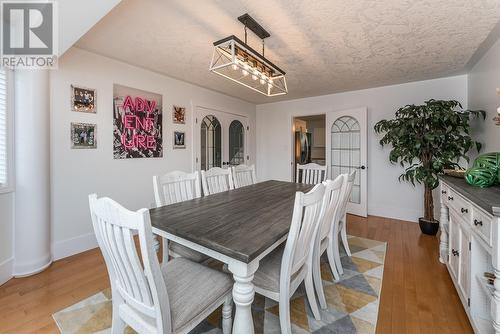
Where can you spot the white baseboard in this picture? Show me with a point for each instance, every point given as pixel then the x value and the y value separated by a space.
pixel 397 213
pixel 6 270
pixel 68 247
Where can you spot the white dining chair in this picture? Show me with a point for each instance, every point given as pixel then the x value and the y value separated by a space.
pixel 243 175
pixel 342 220
pixel 327 238
pixel 171 188
pixel 311 173
pixel 216 180
pixel 150 299
pixel 282 271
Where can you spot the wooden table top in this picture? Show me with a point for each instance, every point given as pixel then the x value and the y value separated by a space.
pixel 240 223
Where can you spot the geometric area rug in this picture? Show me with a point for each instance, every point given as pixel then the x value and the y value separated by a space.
pixel 353 302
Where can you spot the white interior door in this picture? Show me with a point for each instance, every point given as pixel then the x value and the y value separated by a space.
pixel 220 139
pixel 346 151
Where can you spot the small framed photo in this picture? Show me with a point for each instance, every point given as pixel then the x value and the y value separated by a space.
pixel 179 139
pixel 179 115
pixel 83 135
pixel 83 99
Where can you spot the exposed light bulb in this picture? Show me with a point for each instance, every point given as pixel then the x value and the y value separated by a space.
pixel 235 67
pixel 262 81
pixel 245 72
pixel 270 80
pixel 254 77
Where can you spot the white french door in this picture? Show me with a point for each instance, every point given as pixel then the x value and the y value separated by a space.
pixel 346 151
pixel 220 139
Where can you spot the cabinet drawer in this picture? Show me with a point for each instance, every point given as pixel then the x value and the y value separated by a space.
pixel 481 223
pixel 459 205
pixel 444 193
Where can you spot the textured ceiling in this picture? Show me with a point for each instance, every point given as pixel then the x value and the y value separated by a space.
pixel 325 46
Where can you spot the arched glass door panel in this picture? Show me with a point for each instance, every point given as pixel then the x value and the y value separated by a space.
pixel 236 143
pixel 345 151
pixel 211 143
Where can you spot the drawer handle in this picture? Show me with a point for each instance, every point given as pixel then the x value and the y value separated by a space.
pixel 464 210
pixel 443 191
pixel 450 198
pixel 478 222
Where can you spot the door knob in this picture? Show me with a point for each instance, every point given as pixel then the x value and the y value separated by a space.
pixel 362 167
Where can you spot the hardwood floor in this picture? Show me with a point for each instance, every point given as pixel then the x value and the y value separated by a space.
pixel 417 293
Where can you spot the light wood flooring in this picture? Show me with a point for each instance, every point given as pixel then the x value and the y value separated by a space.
pixel 417 293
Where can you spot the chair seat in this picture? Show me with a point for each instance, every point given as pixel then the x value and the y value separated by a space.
pixel 267 277
pixel 192 289
pixel 186 252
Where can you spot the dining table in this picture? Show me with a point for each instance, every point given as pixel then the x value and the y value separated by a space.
pixel 238 227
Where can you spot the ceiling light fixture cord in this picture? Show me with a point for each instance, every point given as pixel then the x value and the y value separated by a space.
pixel 263 47
pixel 245 34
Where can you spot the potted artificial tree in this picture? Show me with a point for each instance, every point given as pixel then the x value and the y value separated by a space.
pixel 425 139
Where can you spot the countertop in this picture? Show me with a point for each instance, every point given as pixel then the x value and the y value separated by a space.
pixel 486 198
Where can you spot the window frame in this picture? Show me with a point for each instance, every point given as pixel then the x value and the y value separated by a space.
pixel 9 186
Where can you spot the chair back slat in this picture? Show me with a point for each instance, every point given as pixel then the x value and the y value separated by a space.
pixel 332 203
pixel 176 187
pixel 305 219
pixel 216 180
pixel 311 173
pixel 346 194
pixel 140 285
pixel 244 176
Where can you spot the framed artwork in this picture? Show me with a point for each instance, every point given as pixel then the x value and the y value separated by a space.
pixel 179 139
pixel 83 99
pixel 137 123
pixel 83 135
pixel 179 115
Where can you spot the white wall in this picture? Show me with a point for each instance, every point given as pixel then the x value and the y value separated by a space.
pixel 75 19
pixel 77 173
pixel 386 196
pixel 484 79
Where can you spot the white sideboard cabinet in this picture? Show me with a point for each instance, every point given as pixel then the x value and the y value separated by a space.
pixel 469 247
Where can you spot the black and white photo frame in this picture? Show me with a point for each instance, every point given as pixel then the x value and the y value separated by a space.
pixel 179 140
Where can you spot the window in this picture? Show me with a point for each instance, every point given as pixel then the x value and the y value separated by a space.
pixel 236 143
pixel 211 139
pixel 346 151
pixel 4 131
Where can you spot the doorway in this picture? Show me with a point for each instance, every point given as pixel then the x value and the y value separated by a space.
pixel 309 141
pixel 220 139
pixel 337 139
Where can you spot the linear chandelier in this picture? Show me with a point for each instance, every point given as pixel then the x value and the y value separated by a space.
pixel 237 61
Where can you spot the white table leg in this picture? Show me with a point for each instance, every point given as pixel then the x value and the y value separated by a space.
pixel 164 258
pixel 243 294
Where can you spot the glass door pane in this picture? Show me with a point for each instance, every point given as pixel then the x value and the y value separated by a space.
pixel 211 143
pixel 236 143
pixel 345 151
